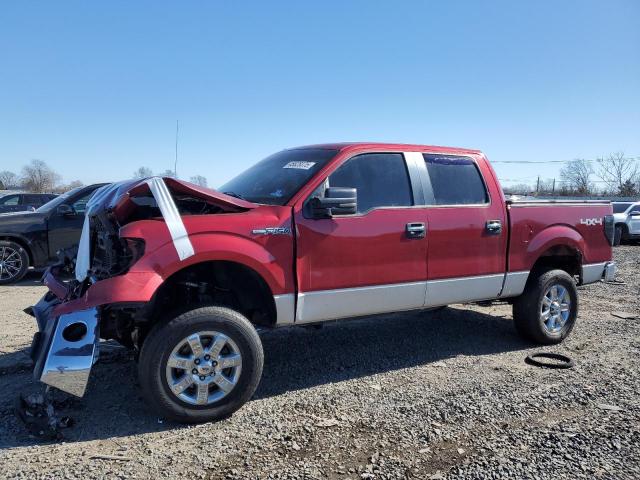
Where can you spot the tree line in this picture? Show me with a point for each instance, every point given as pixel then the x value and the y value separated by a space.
pixel 144 172
pixel 615 175
pixel 36 177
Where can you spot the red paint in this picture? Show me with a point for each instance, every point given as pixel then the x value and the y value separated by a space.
pixel 352 251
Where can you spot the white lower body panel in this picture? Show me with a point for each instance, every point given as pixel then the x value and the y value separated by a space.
pixel 353 302
pixel 322 305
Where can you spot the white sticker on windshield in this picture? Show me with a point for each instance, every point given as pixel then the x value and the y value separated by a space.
pixel 300 165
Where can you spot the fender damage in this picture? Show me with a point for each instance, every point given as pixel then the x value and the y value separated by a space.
pixel 69 315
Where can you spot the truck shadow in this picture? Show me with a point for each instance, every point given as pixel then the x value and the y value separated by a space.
pixel 31 279
pixel 295 359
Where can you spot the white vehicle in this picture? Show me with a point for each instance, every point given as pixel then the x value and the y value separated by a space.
pixel 626 216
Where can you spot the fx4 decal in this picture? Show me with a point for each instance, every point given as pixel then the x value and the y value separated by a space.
pixel 272 231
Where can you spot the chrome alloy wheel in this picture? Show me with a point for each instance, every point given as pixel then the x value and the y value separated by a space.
pixel 10 263
pixel 556 308
pixel 203 368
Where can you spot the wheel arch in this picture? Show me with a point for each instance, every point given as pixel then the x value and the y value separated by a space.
pixel 20 241
pixel 561 256
pixel 225 282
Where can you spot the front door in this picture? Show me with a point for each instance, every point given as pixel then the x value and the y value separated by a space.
pixel 467 232
pixel 65 230
pixel 371 262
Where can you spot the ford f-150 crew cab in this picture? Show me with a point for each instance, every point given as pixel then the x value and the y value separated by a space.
pixel 186 275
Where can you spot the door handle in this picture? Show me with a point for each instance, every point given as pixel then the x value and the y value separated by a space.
pixel 493 226
pixel 416 230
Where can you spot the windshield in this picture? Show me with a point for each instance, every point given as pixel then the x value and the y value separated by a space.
pixel 620 207
pixel 49 206
pixel 274 180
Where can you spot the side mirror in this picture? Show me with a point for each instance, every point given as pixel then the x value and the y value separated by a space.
pixel 66 210
pixel 336 201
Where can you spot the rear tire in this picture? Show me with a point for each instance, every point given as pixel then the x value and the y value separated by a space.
pixel 214 351
pixel 14 262
pixel 547 310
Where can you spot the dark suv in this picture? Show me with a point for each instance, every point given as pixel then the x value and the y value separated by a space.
pixel 32 238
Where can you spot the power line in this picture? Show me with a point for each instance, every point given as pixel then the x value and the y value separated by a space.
pixel 535 162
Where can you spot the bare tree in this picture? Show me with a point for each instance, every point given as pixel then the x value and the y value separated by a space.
pixel 576 176
pixel 618 171
pixel 143 172
pixel 628 189
pixel 168 173
pixel 38 177
pixel 70 186
pixel 8 179
pixel 199 180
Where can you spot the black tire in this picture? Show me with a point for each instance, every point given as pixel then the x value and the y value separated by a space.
pixel 617 237
pixel 166 335
pixel 11 251
pixel 527 308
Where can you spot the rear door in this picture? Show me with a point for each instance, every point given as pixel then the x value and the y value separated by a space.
pixel 368 262
pixel 466 232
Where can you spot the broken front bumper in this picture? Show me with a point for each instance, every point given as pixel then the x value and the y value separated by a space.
pixel 65 347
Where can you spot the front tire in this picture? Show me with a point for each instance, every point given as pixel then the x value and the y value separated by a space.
pixel 14 262
pixel 547 310
pixel 200 366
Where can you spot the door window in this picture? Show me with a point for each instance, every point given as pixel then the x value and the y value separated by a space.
pixel 10 200
pixel 455 180
pixel 35 200
pixel 80 205
pixel 381 180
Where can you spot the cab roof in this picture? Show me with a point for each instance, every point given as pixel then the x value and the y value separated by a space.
pixel 343 146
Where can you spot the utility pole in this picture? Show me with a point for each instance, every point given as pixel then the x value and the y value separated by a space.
pixel 553 191
pixel 175 163
pixel 538 185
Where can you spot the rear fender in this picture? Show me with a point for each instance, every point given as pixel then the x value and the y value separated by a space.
pixel 554 237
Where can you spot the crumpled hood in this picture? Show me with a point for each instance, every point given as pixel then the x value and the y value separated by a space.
pixel 115 196
pixel 118 202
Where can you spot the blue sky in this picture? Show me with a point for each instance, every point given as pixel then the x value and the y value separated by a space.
pixel 95 89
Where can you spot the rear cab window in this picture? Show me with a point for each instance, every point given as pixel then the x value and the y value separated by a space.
pixel 455 180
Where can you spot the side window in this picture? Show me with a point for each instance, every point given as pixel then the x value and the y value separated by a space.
pixel 635 210
pixel 35 200
pixel 80 205
pixel 381 179
pixel 10 200
pixel 455 180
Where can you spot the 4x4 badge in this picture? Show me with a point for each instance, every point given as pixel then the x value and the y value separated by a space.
pixel 590 222
pixel 272 231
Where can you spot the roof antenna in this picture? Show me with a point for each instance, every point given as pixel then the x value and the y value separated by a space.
pixel 175 163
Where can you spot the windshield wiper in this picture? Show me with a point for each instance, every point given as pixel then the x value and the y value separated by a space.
pixel 234 194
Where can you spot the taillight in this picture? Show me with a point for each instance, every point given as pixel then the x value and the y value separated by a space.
pixel 609 228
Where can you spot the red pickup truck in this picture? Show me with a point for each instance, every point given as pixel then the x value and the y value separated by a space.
pixel 186 275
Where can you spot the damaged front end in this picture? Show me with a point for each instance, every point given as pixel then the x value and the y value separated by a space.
pixel 69 317
pixel 66 347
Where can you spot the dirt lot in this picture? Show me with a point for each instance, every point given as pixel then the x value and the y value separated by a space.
pixel 415 395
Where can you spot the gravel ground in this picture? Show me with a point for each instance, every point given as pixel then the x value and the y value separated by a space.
pixel 429 395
